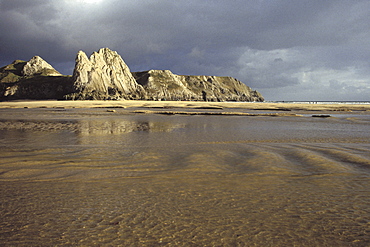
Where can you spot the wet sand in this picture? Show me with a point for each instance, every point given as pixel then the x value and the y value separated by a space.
pixel 185 104
pixel 156 174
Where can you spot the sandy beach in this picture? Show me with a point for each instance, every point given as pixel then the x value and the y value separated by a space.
pixel 186 104
pixel 148 173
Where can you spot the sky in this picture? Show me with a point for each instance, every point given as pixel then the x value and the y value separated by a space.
pixel 310 50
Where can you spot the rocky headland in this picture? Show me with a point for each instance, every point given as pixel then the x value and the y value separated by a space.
pixel 35 79
pixel 164 85
pixel 105 76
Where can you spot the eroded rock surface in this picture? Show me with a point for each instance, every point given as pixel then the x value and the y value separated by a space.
pixel 35 79
pixel 38 66
pixel 104 76
pixel 164 85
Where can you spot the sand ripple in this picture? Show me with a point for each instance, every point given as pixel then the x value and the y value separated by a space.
pixel 185 181
pixel 248 159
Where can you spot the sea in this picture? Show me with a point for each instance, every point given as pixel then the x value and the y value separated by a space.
pixel 97 177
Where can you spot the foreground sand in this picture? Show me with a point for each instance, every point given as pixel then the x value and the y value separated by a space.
pixel 97 173
pixel 186 104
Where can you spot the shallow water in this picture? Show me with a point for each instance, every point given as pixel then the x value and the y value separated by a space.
pixel 90 178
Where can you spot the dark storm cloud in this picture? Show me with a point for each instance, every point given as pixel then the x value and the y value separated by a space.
pixel 285 49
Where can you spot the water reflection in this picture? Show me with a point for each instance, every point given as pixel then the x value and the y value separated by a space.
pixel 119 126
pixel 92 126
pixel 174 130
pixel 135 180
pixel 120 131
pixel 36 139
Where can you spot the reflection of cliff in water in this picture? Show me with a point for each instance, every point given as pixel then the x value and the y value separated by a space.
pixel 91 126
pixel 119 126
pixel 84 131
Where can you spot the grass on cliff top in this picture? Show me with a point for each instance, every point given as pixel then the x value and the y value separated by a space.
pixel 12 72
pixel 9 78
pixel 15 67
pixel 47 72
pixel 161 80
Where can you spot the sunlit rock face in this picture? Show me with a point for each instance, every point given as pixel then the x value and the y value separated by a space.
pixel 104 76
pixel 33 79
pixel 38 66
pixel 164 85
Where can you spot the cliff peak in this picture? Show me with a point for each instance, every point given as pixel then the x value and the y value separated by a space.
pixel 104 76
pixel 38 66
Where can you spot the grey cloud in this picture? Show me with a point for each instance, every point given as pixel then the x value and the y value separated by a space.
pixel 278 47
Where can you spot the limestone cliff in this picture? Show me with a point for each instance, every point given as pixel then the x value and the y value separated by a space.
pixel 38 66
pixel 104 76
pixel 164 85
pixel 35 79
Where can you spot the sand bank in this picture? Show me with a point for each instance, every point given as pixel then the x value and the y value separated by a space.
pixel 186 104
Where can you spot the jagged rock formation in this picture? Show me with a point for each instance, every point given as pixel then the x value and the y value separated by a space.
pixel 164 85
pixel 35 79
pixel 38 66
pixel 20 69
pixel 104 76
